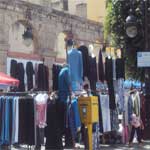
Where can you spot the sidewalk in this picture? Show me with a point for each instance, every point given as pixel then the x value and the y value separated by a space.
pixel 135 146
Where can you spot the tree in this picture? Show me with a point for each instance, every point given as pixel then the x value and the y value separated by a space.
pixel 115 23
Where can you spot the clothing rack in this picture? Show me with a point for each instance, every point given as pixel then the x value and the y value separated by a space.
pixel 22 93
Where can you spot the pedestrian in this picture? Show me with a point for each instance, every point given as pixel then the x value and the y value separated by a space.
pixel 137 126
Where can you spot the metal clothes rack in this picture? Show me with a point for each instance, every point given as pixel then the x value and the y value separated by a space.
pixel 22 93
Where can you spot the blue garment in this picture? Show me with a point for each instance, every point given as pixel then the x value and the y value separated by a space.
pixel 64 84
pixel 15 120
pixel 76 65
pixel 1 106
pixel 76 114
pixel 74 121
pixel 5 134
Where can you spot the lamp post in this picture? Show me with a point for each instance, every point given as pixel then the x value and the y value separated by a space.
pixel 131 26
pixel 28 36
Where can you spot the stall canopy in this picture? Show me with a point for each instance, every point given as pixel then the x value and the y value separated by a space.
pixel 6 80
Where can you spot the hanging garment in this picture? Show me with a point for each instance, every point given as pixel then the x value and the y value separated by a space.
pixel 126 117
pixel 143 111
pixel 85 59
pixel 114 120
pixel 95 138
pixel 13 68
pixel 1 112
pixel 146 134
pixel 15 118
pixel 101 67
pixel 93 72
pixel 109 79
pixel 130 109
pixel 64 84
pixel 120 68
pixel 119 89
pixel 136 103
pixel 53 132
pixel 20 77
pixel 40 106
pixel 55 74
pixel 74 118
pixel 125 134
pixel 100 113
pixel 43 78
pixel 6 130
pixel 40 110
pixel 104 99
pixel 26 121
pixel 114 69
pixel 30 72
pixel 75 65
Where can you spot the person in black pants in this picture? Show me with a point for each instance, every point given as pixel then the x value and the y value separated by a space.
pixel 137 125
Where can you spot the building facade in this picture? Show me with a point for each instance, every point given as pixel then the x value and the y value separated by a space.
pixel 96 10
pixel 49 28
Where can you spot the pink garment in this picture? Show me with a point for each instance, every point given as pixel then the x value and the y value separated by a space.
pixel 125 134
pixel 41 115
pixel 136 122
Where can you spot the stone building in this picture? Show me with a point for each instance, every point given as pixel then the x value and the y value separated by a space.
pixel 49 28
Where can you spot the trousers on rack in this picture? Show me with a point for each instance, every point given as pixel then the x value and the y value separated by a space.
pixel 66 131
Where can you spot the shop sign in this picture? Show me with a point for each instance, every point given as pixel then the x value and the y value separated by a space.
pixel 143 59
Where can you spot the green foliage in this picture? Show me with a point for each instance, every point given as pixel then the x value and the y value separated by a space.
pixel 114 29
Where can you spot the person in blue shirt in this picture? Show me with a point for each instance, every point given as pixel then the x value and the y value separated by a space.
pixel 64 91
pixel 64 84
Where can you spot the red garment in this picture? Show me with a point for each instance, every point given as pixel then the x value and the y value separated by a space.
pixel 143 114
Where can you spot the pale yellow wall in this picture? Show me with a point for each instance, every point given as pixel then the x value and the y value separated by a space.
pixel 96 10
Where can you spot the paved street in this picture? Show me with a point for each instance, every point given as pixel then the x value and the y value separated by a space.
pixel 135 146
